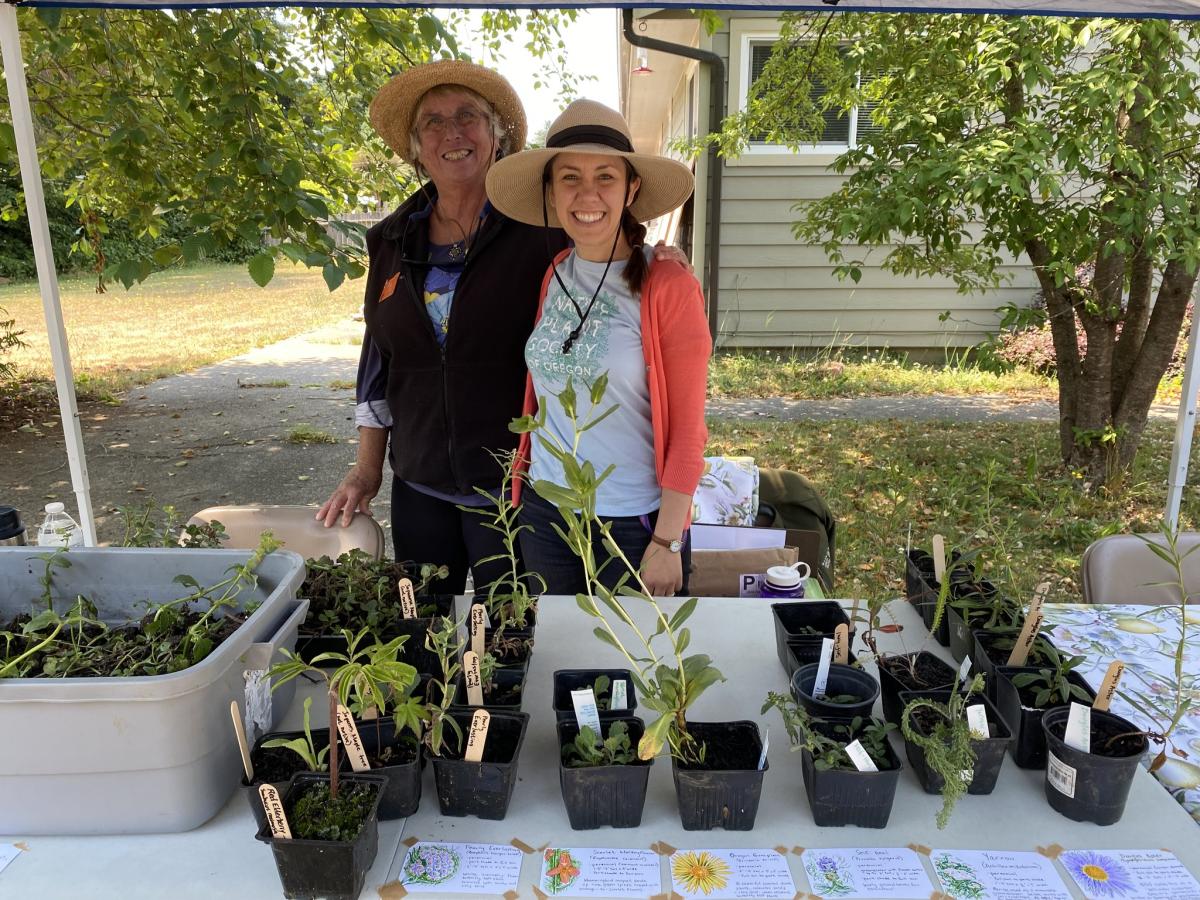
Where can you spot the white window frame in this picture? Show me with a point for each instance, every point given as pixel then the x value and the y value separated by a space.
pixel 743 33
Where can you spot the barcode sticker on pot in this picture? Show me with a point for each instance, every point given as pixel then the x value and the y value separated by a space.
pixel 620 695
pixel 586 714
pixel 977 721
pixel 473 678
pixel 822 680
pixel 478 624
pixel 408 600
pixel 273 807
pixel 351 740
pixel 860 757
pixel 477 736
pixel 1060 775
pixel 1079 728
pixel 964 670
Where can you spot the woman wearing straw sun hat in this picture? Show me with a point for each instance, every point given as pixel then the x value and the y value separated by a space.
pixel 608 307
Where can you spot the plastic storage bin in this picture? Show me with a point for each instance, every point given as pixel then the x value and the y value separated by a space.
pixel 140 754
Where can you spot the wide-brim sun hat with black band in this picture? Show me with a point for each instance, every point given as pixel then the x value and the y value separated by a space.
pixel 515 185
pixel 395 106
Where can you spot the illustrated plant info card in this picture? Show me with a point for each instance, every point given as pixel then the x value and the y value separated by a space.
pixel 8 852
pixel 998 875
pixel 599 872
pixel 461 868
pixel 1120 874
pixel 866 873
pixel 731 874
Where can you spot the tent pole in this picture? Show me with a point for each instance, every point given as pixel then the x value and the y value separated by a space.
pixel 1185 425
pixel 39 227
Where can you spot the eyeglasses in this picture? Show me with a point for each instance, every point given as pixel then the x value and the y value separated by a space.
pixel 463 120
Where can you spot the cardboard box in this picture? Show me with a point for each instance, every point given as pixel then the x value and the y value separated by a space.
pixel 715 573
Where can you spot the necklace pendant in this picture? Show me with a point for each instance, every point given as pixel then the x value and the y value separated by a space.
pixel 456 250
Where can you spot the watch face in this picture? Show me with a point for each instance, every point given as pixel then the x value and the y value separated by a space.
pixel 676 546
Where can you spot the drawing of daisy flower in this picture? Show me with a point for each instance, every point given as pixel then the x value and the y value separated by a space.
pixel 1099 876
pixel 700 871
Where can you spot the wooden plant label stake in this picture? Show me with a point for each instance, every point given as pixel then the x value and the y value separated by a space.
pixel 823 668
pixel 860 757
pixel 939 558
pixel 473 679
pixel 1079 728
pixel 408 599
pixel 586 713
pixel 274 809
pixel 841 644
pixel 351 740
pixel 1108 687
pixel 244 748
pixel 477 736
pixel 620 695
pixel 478 624
pixel 977 722
pixel 1033 623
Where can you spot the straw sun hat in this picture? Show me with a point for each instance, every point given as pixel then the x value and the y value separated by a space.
pixel 515 185
pixel 395 106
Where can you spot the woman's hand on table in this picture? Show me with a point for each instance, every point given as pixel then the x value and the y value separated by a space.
pixel 662 571
pixel 354 494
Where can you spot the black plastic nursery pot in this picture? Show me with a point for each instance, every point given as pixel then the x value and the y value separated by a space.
pixel 927 673
pixel 413 652
pixel 276 766
pixel 402 793
pixel 843 680
pixel 989 752
pixel 1091 787
pixel 505 691
pixel 986 655
pixel 802 625
pixel 596 796
pixel 922 588
pixel 962 621
pixel 567 680
pixel 512 631
pixel 484 788
pixel 726 790
pixel 325 870
pixel 1016 705
pixel 840 797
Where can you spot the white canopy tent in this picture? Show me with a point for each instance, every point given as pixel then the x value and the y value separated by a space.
pixel 22 118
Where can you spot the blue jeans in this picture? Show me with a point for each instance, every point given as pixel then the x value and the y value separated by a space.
pixel 545 552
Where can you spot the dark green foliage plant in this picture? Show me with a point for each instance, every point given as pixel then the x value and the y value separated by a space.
pixel 318 815
pixel 357 590
pixel 152 526
pixel 947 746
pixel 589 750
pixel 1050 684
pixel 304 747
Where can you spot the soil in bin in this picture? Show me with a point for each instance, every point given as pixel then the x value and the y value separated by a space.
pixel 726 749
pixel 929 672
pixel 402 750
pixel 314 815
pixel 501 695
pixel 1107 739
pixel 275 765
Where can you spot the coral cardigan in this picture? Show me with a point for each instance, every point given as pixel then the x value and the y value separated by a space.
pixel 676 345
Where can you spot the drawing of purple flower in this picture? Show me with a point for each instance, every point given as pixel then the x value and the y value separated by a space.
pixel 1098 875
pixel 827 864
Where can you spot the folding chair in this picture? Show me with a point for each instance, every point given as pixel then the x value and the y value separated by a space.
pixel 1122 569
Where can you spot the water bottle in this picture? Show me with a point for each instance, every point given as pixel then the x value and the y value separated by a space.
pixel 59 529
pixel 784 582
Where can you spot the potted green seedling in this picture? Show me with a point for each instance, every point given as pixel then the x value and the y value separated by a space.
pixel 717 766
pixel 844 787
pixel 602 778
pixel 277 756
pixel 502 687
pixel 947 751
pixel 1025 693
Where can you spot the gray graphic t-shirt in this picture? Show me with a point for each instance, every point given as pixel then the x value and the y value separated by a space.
pixel 611 341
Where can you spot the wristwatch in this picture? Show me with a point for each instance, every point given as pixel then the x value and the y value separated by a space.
pixel 674 546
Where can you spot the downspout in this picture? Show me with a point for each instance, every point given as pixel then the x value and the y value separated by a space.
pixel 716 115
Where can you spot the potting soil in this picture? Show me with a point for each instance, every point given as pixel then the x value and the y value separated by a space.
pixel 1107 739
pixel 728 745
pixel 928 671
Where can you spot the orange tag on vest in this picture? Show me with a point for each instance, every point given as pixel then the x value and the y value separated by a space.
pixel 389 287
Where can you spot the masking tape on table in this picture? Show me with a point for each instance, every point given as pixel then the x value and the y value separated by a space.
pixel 781 850
pixel 1051 851
pixel 662 848
pixel 393 890
pixel 797 850
pixel 511 895
pixel 522 846
pixel 920 848
pixel 411 841
pixel 537 892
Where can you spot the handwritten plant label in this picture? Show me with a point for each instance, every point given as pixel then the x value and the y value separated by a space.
pixel 477 736
pixel 997 875
pixel 841 644
pixel 273 806
pixel 1029 633
pixel 1079 728
pixel 860 757
pixel 599 872
pixel 1108 688
pixel 478 625
pixel 586 714
pixel 822 679
pixel 977 721
pixel 729 874
pixel 437 867
pixel 859 873
pixel 352 740
pixel 9 852
pixel 473 679
pixel 620 695
pixel 1119 874
pixel 408 599
pixel 939 558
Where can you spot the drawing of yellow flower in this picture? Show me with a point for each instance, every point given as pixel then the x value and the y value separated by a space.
pixel 700 871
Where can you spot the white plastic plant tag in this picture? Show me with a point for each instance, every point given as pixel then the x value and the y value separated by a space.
pixel 477 736
pixel 620 695
pixel 1029 633
pixel 1079 728
pixel 586 713
pixel 860 757
pixel 823 668
pixel 408 600
pixel 1108 687
pixel 257 720
pixel 1060 775
pixel 762 757
pixel 478 624
pixel 841 644
pixel 351 740
pixel 273 806
pixel 473 679
pixel 939 558
pixel 240 734
pixel 977 721
pixel 963 671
